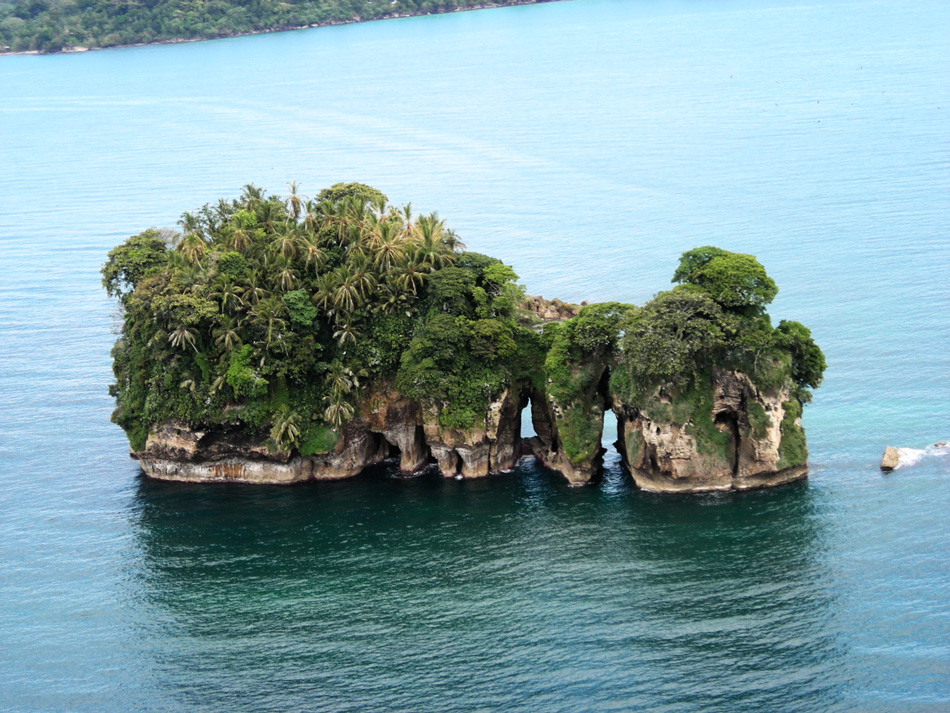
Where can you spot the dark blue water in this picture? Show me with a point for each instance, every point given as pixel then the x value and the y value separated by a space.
pixel 587 143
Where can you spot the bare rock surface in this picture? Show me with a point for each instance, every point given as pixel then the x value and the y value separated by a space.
pixel 550 310
pixel 665 455
pixel 891 458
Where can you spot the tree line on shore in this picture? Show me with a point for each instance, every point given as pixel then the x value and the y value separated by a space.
pixel 54 25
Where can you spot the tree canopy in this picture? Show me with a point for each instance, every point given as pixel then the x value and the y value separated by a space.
pixel 715 317
pixel 272 312
pixel 734 280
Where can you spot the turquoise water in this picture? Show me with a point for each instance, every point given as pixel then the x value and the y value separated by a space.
pixel 587 143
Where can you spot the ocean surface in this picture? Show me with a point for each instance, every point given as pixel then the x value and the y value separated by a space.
pixel 588 144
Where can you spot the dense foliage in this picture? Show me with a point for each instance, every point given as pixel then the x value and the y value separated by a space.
pixel 272 313
pixel 52 25
pixel 715 318
pixel 278 314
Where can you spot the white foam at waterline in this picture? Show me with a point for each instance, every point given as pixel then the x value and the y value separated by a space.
pixel 912 456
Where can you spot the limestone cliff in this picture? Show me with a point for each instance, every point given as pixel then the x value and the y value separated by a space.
pixel 388 426
pixel 725 434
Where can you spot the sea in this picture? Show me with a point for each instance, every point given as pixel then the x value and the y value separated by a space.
pixel 587 144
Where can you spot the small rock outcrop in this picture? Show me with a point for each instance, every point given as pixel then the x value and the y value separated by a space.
pixel 550 310
pixel 891 459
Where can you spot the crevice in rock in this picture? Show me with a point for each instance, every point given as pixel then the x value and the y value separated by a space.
pixel 379 444
pixel 421 454
pixel 727 422
pixel 542 421
pixel 603 389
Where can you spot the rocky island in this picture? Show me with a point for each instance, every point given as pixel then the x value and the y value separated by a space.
pixel 279 340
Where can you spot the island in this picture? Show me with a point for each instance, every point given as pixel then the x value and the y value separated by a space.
pixel 48 26
pixel 280 340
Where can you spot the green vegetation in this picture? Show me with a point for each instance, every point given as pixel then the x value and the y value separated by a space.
pixel 469 344
pixel 278 315
pixel 736 281
pixel 715 318
pixel 578 360
pixel 792 450
pixel 52 25
pixel 274 313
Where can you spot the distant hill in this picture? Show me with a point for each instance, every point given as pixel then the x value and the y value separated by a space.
pixel 57 25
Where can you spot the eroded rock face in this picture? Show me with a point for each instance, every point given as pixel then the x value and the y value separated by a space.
pixel 731 438
pixel 489 447
pixel 548 447
pixel 230 454
pixel 735 444
pixel 388 425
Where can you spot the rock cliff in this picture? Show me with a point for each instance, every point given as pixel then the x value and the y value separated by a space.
pixel 726 437
pixel 389 426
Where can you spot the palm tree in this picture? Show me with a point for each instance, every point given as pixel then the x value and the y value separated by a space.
pixel 342 379
pixel 286 428
pixel 237 239
pixel 286 276
pixel 192 247
pixel 390 248
pixel 294 201
pixel 288 243
pixel 414 272
pixel 227 334
pixel 364 276
pixel 345 334
pixel 330 216
pixel 313 254
pixel 337 412
pixel 228 293
pixel 326 287
pixel 267 315
pixel 190 223
pixel 182 337
pixel 252 195
pixel 379 205
pixel 346 296
pixel 392 300
pixel 254 292
pixel 312 221
pixel 354 210
pixel 270 213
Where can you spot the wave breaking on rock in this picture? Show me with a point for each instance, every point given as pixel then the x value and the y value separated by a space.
pixel 895 458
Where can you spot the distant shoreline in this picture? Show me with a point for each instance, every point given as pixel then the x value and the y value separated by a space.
pixel 328 23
